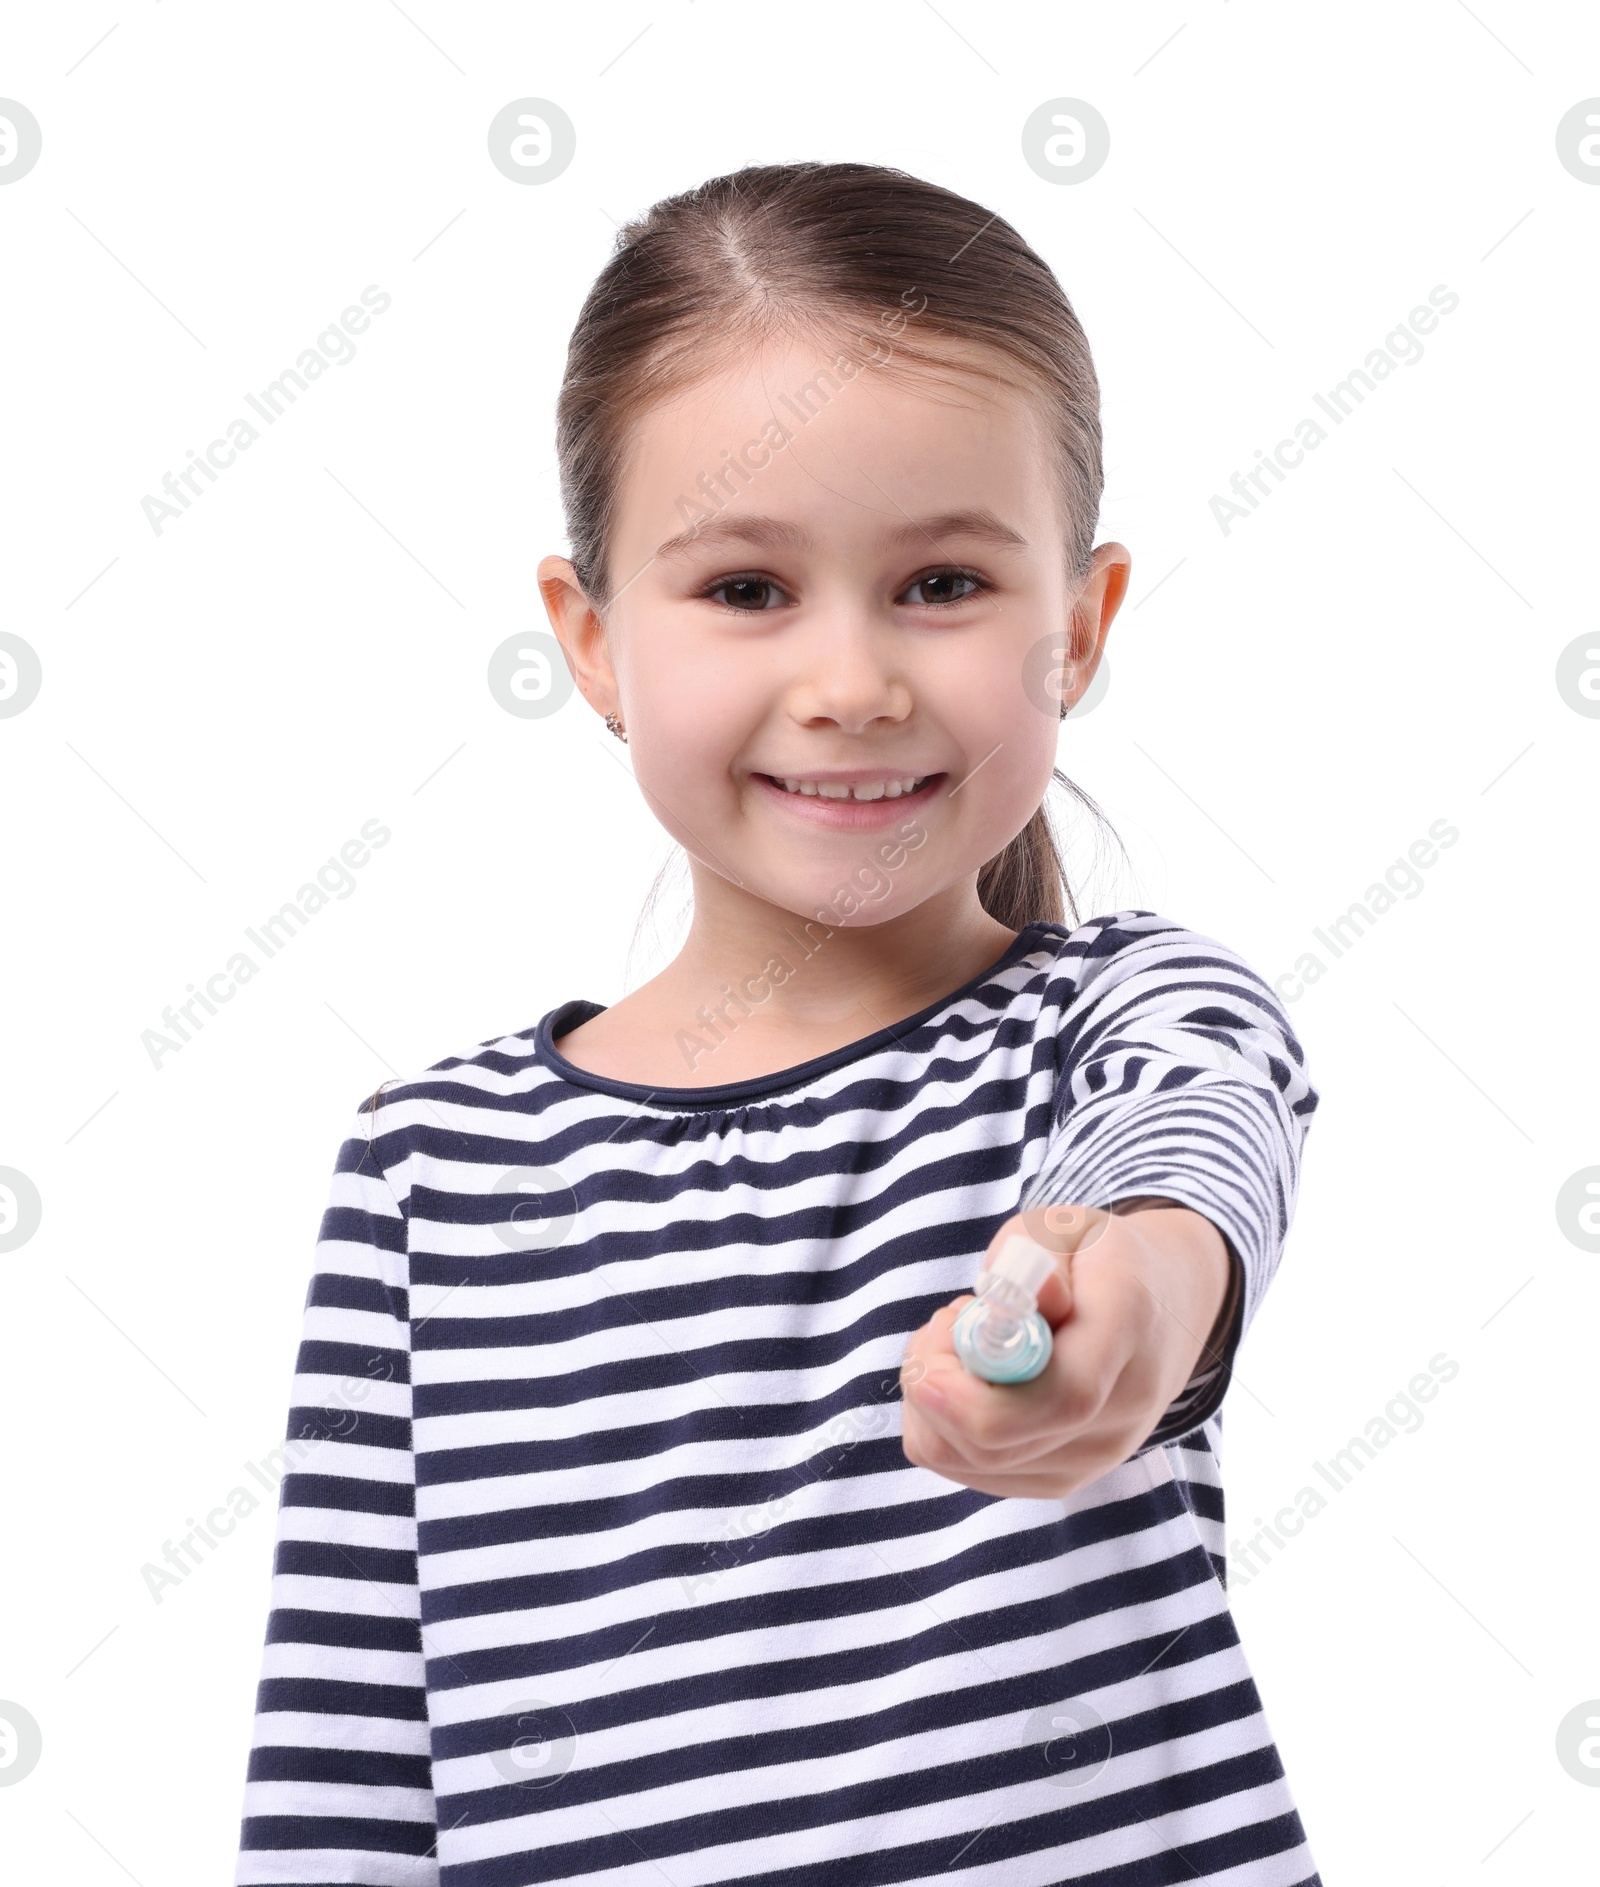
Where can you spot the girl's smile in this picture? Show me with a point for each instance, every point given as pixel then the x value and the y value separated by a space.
pixel 862 800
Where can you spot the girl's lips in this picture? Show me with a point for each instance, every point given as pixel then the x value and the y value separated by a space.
pixel 849 815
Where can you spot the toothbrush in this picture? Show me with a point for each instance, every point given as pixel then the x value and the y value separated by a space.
pixel 1000 1335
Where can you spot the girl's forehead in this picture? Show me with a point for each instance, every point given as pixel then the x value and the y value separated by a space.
pixel 812 427
pixel 799 380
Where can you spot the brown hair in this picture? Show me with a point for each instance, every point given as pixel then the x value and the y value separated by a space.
pixel 805 248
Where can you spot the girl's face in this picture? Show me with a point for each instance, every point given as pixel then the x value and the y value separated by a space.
pixel 841 627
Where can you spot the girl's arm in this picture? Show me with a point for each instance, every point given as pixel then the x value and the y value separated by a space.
pixel 1179 1082
pixel 1207 1382
pixel 340 1782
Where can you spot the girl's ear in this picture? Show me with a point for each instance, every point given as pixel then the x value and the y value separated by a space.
pixel 581 632
pixel 1093 609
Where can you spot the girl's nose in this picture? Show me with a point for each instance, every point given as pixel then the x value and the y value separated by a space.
pixel 851 679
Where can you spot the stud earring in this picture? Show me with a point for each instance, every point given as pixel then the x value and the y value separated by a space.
pixel 614 722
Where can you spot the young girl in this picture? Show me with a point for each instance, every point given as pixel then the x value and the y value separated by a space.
pixel 642 1524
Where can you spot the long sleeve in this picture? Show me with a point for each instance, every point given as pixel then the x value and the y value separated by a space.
pixel 1179 1078
pixel 340 1780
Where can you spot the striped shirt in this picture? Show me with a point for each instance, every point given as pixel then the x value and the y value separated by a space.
pixel 600 1559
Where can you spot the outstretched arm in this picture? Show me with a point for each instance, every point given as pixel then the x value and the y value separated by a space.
pixel 1166 1189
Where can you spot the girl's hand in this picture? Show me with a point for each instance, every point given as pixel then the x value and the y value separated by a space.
pixel 1132 1302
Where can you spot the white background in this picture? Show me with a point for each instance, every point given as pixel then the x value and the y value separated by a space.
pixel 1291 705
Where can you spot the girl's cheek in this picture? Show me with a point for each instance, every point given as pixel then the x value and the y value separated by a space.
pixel 704 699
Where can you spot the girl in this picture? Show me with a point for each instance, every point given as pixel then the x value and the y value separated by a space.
pixel 641 1523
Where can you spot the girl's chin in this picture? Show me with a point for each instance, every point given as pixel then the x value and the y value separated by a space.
pixel 848 815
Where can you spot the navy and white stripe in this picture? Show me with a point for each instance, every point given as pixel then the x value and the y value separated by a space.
pixel 601 1560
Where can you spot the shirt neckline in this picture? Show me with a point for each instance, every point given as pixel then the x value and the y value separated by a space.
pixel 568 1015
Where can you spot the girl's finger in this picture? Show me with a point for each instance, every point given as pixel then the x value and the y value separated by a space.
pixel 1001 1428
pixel 933 1339
pixel 1059 1470
pixel 991 1426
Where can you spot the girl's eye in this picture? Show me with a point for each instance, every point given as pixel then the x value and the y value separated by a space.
pixel 746 593
pixel 750 595
pixel 940 588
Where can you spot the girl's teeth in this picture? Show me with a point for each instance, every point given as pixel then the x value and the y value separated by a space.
pixel 840 789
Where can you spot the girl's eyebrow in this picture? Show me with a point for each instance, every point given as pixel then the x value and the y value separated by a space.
pixel 775 534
